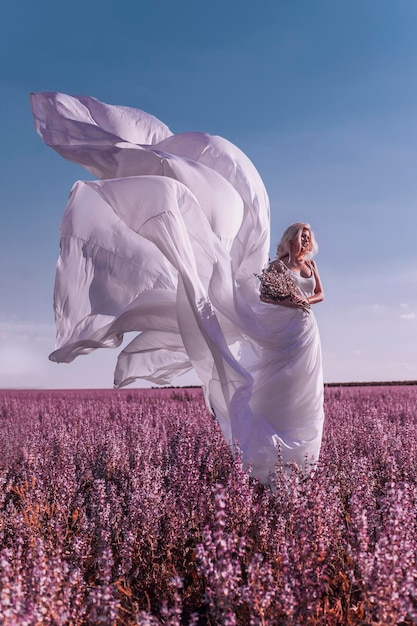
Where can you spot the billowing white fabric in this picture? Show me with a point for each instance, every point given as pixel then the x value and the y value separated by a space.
pixel 166 243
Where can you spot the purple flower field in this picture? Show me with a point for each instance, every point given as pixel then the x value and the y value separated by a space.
pixel 126 507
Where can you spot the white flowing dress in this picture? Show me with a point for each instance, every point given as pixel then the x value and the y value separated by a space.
pixel 166 243
pixel 287 395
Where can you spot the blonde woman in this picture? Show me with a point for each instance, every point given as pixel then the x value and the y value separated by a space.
pixel 287 396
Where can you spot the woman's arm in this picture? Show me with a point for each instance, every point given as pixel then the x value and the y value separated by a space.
pixel 287 302
pixel 318 295
pixel 299 303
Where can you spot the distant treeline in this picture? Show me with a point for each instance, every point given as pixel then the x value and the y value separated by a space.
pixel 384 383
pixel 392 383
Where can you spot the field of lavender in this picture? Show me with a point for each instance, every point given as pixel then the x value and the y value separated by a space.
pixel 126 507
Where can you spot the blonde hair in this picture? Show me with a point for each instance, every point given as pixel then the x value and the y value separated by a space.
pixel 293 233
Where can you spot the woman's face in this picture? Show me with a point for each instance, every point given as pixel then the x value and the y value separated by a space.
pixel 305 239
pixel 301 245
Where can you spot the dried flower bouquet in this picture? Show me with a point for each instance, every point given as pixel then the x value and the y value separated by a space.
pixel 278 284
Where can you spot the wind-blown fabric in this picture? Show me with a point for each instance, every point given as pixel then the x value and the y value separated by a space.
pixel 164 243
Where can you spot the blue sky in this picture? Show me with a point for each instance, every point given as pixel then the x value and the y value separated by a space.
pixel 321 95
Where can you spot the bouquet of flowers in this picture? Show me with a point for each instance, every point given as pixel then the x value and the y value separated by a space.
pixel 278 284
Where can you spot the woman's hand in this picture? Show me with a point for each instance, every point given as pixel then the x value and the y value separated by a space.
pixel 301 302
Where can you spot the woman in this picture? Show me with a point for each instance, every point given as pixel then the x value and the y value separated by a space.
pixel 287 395
pixel 166 243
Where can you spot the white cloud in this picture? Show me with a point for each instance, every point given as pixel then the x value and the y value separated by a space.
pixel 26 330
pixel 408 316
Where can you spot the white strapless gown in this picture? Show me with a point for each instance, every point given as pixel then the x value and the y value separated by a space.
pixel 166 243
